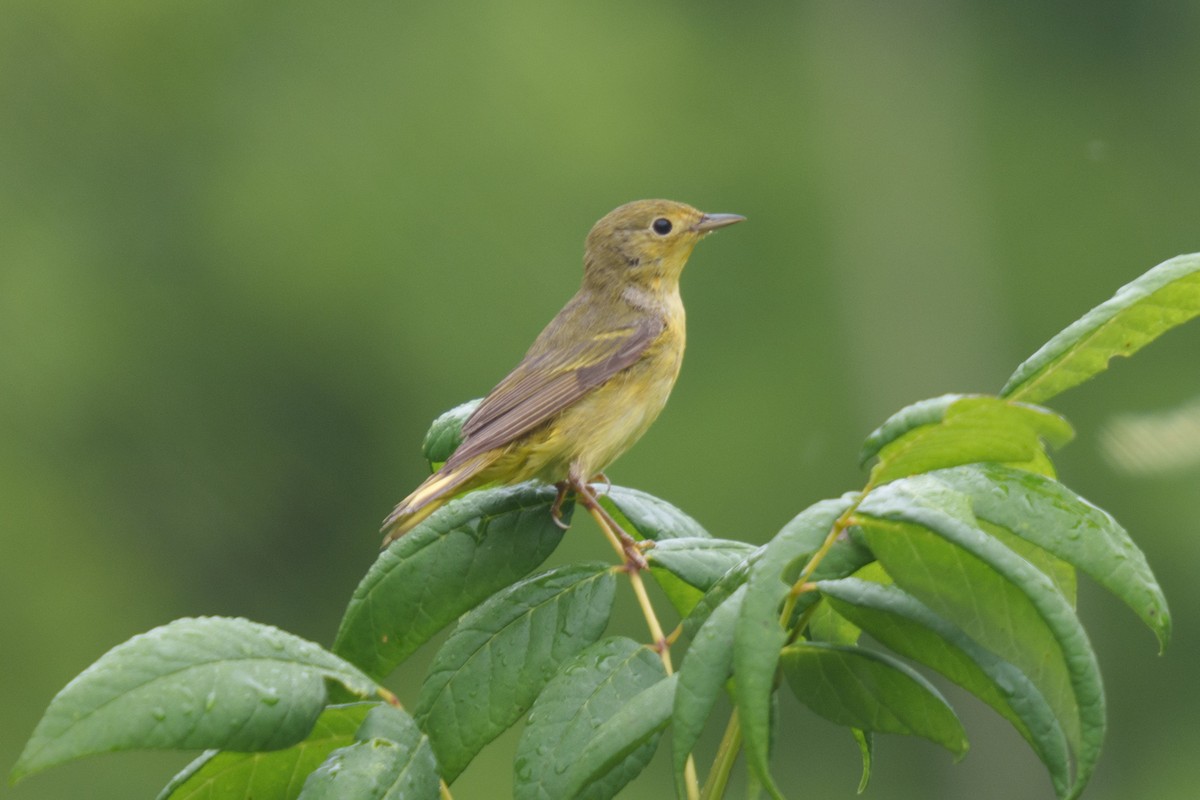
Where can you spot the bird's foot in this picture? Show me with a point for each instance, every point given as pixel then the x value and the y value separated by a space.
pixel 628 546
pixel 634 560
pixel 556 509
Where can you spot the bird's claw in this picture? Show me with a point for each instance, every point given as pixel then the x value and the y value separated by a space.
pixel 556 508
pixel 634 560
pixel 600 477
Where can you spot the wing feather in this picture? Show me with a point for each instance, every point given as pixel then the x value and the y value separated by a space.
pixel 548 381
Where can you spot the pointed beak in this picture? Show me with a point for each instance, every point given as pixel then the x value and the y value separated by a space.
pixel 710 222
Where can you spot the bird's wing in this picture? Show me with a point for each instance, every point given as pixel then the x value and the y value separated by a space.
pixel 545 383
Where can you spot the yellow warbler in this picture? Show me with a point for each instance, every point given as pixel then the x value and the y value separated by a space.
pixel 594 379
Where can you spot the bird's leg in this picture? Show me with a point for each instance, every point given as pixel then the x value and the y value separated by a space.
pixel 556 509
pixel 634 560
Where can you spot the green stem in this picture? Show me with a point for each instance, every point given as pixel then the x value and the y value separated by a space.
pixel 839 526
pixel 727 753
pixel 690 780
pixel 661 642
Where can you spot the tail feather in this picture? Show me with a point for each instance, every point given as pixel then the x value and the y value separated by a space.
pixel 432 495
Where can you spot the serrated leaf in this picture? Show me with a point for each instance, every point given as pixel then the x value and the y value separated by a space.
pixel 759 635
pixel 586 692
pixel 957 429
pixel 634 727
pixel 645 516
pixel 951 565
pixel 502 653
pixel 700 563
pixel 1164 297
pixel 1051 516
pixel 272 775
pixel 1060 572
pixel 702 675
pixel 719 593
pixel 385 721
pixel 916 415
pixel 210 682
pixel 445 434
pixel 391 761
pixel 870 691
pixel 827 625
pixel 449 563
pixel 904 624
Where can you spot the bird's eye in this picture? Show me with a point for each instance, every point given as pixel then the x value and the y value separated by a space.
pixel 662 226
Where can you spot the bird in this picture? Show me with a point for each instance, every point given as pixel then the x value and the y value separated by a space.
pixel 594 379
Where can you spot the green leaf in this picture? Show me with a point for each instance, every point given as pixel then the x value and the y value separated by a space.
pixel 961 429
pixel 703 673
pixel 502 653
pixel 721 591
pixel 866 747
pixel 1141 311
pixel 632 729
pixel 273 775
pixel 872 692
pixel 449 563
pixel 645 516
pixel 952 566
pixel 848 555
pixel 827 625
pixel 683 598
pixel 759 635
pixel 902 623
pixel 916 415
pixel 587 691
pixel 445 434
pixel 211 682
pixel 391 761
pixel 1060 572
pixel 700 563
pixel 1051 516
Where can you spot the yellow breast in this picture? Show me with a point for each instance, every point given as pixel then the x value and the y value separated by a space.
pixel 601 426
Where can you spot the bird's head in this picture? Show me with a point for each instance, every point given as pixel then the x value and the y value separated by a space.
pixel 646 242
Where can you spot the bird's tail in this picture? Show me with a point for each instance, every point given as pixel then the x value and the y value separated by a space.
pixel 432 495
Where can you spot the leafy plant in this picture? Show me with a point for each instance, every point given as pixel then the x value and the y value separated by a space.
pixel 959 555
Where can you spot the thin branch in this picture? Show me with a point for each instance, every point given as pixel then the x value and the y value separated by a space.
pixel 727 753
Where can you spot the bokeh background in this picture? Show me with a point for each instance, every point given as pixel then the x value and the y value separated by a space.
pixel 248 250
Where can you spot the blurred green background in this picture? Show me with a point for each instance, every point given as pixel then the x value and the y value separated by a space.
pixel 248 250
